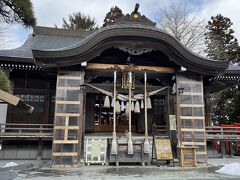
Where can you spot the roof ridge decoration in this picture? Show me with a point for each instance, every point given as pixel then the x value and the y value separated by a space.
pixel 135 17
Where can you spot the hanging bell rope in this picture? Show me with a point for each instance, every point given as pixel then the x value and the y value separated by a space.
pixel 146 145
pixel 130 143
pixel 114 134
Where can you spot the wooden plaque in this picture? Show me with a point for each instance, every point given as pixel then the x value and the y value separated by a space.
pixel 163 149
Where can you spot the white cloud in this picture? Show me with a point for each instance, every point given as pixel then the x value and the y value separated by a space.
pixel 51 12
pixel 228 8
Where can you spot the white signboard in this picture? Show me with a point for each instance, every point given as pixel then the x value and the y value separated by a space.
pixel 172 122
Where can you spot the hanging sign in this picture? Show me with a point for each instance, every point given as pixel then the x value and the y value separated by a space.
pixel 172 122
pixel 163 149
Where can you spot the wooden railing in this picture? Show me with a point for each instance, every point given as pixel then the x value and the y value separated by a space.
pixel 46 130
pixel 26 130
pixel 223 133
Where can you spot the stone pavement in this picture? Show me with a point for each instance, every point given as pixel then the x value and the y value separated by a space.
pixel 41 170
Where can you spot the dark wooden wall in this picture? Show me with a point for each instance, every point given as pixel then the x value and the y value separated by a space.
pixel 36 88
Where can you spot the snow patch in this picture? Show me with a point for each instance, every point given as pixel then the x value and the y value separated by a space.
pixel 230 169
pixel 10 164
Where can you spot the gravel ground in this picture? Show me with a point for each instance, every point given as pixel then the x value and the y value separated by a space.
pixel 41 170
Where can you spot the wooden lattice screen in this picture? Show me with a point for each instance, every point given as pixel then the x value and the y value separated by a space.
pixel 191 120
pixel 68 119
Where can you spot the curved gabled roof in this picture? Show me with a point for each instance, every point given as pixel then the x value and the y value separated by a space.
pixel 133 35
pixel 42 38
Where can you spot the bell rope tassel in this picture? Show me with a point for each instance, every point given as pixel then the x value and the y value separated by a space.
pixel 118 109
pixel 106 103
pixel 130 143
pixel 146 146
pixel 149 104
pixel 137 107
pixel 114 144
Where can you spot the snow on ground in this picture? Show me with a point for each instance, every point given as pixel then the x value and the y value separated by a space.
pixel 10 164
pixel 230 169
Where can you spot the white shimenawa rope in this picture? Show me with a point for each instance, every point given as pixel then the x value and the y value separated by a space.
pixel 125 98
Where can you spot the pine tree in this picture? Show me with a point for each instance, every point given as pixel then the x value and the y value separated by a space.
pixel 220 41
pixel 114 13
pixel 235 113
pixel 79 21
pixel 222 45
pixel 19 11
pixel 4 82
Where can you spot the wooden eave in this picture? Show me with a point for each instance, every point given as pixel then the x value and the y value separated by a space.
pixel 132 35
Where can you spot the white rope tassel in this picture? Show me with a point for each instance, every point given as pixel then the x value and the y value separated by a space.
pixel 114 143
pixel 130 143
pixel 127 108
pixel 112 102
pixel 142 104
pixel 149 103
pixel 114 138
pixel 118 109
pixel 122 106
pixel 137 107
pixel 146 148
pixel 106 103
pixel 132 106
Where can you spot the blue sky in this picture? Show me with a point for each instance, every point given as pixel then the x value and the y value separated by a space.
pixel 50 12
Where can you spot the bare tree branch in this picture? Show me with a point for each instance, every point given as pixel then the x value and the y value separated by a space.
pixel 180 21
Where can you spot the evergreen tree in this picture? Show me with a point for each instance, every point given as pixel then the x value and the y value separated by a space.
pixel 79 21
pixel 220 41
pixel 222 45
pixel 114 13
pixel 235 112
pixel 4 82
pixel 19 11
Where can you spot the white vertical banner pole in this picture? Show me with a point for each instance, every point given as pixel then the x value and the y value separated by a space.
pixel 146 141
pixel 114 135
pixel 130 143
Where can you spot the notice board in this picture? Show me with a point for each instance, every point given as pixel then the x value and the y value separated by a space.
pixel 163 149
pixel 96 149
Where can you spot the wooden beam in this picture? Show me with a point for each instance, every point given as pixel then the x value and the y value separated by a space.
pixel 64 154
pixel 14 100
pixel 97 66
pixel 9 98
